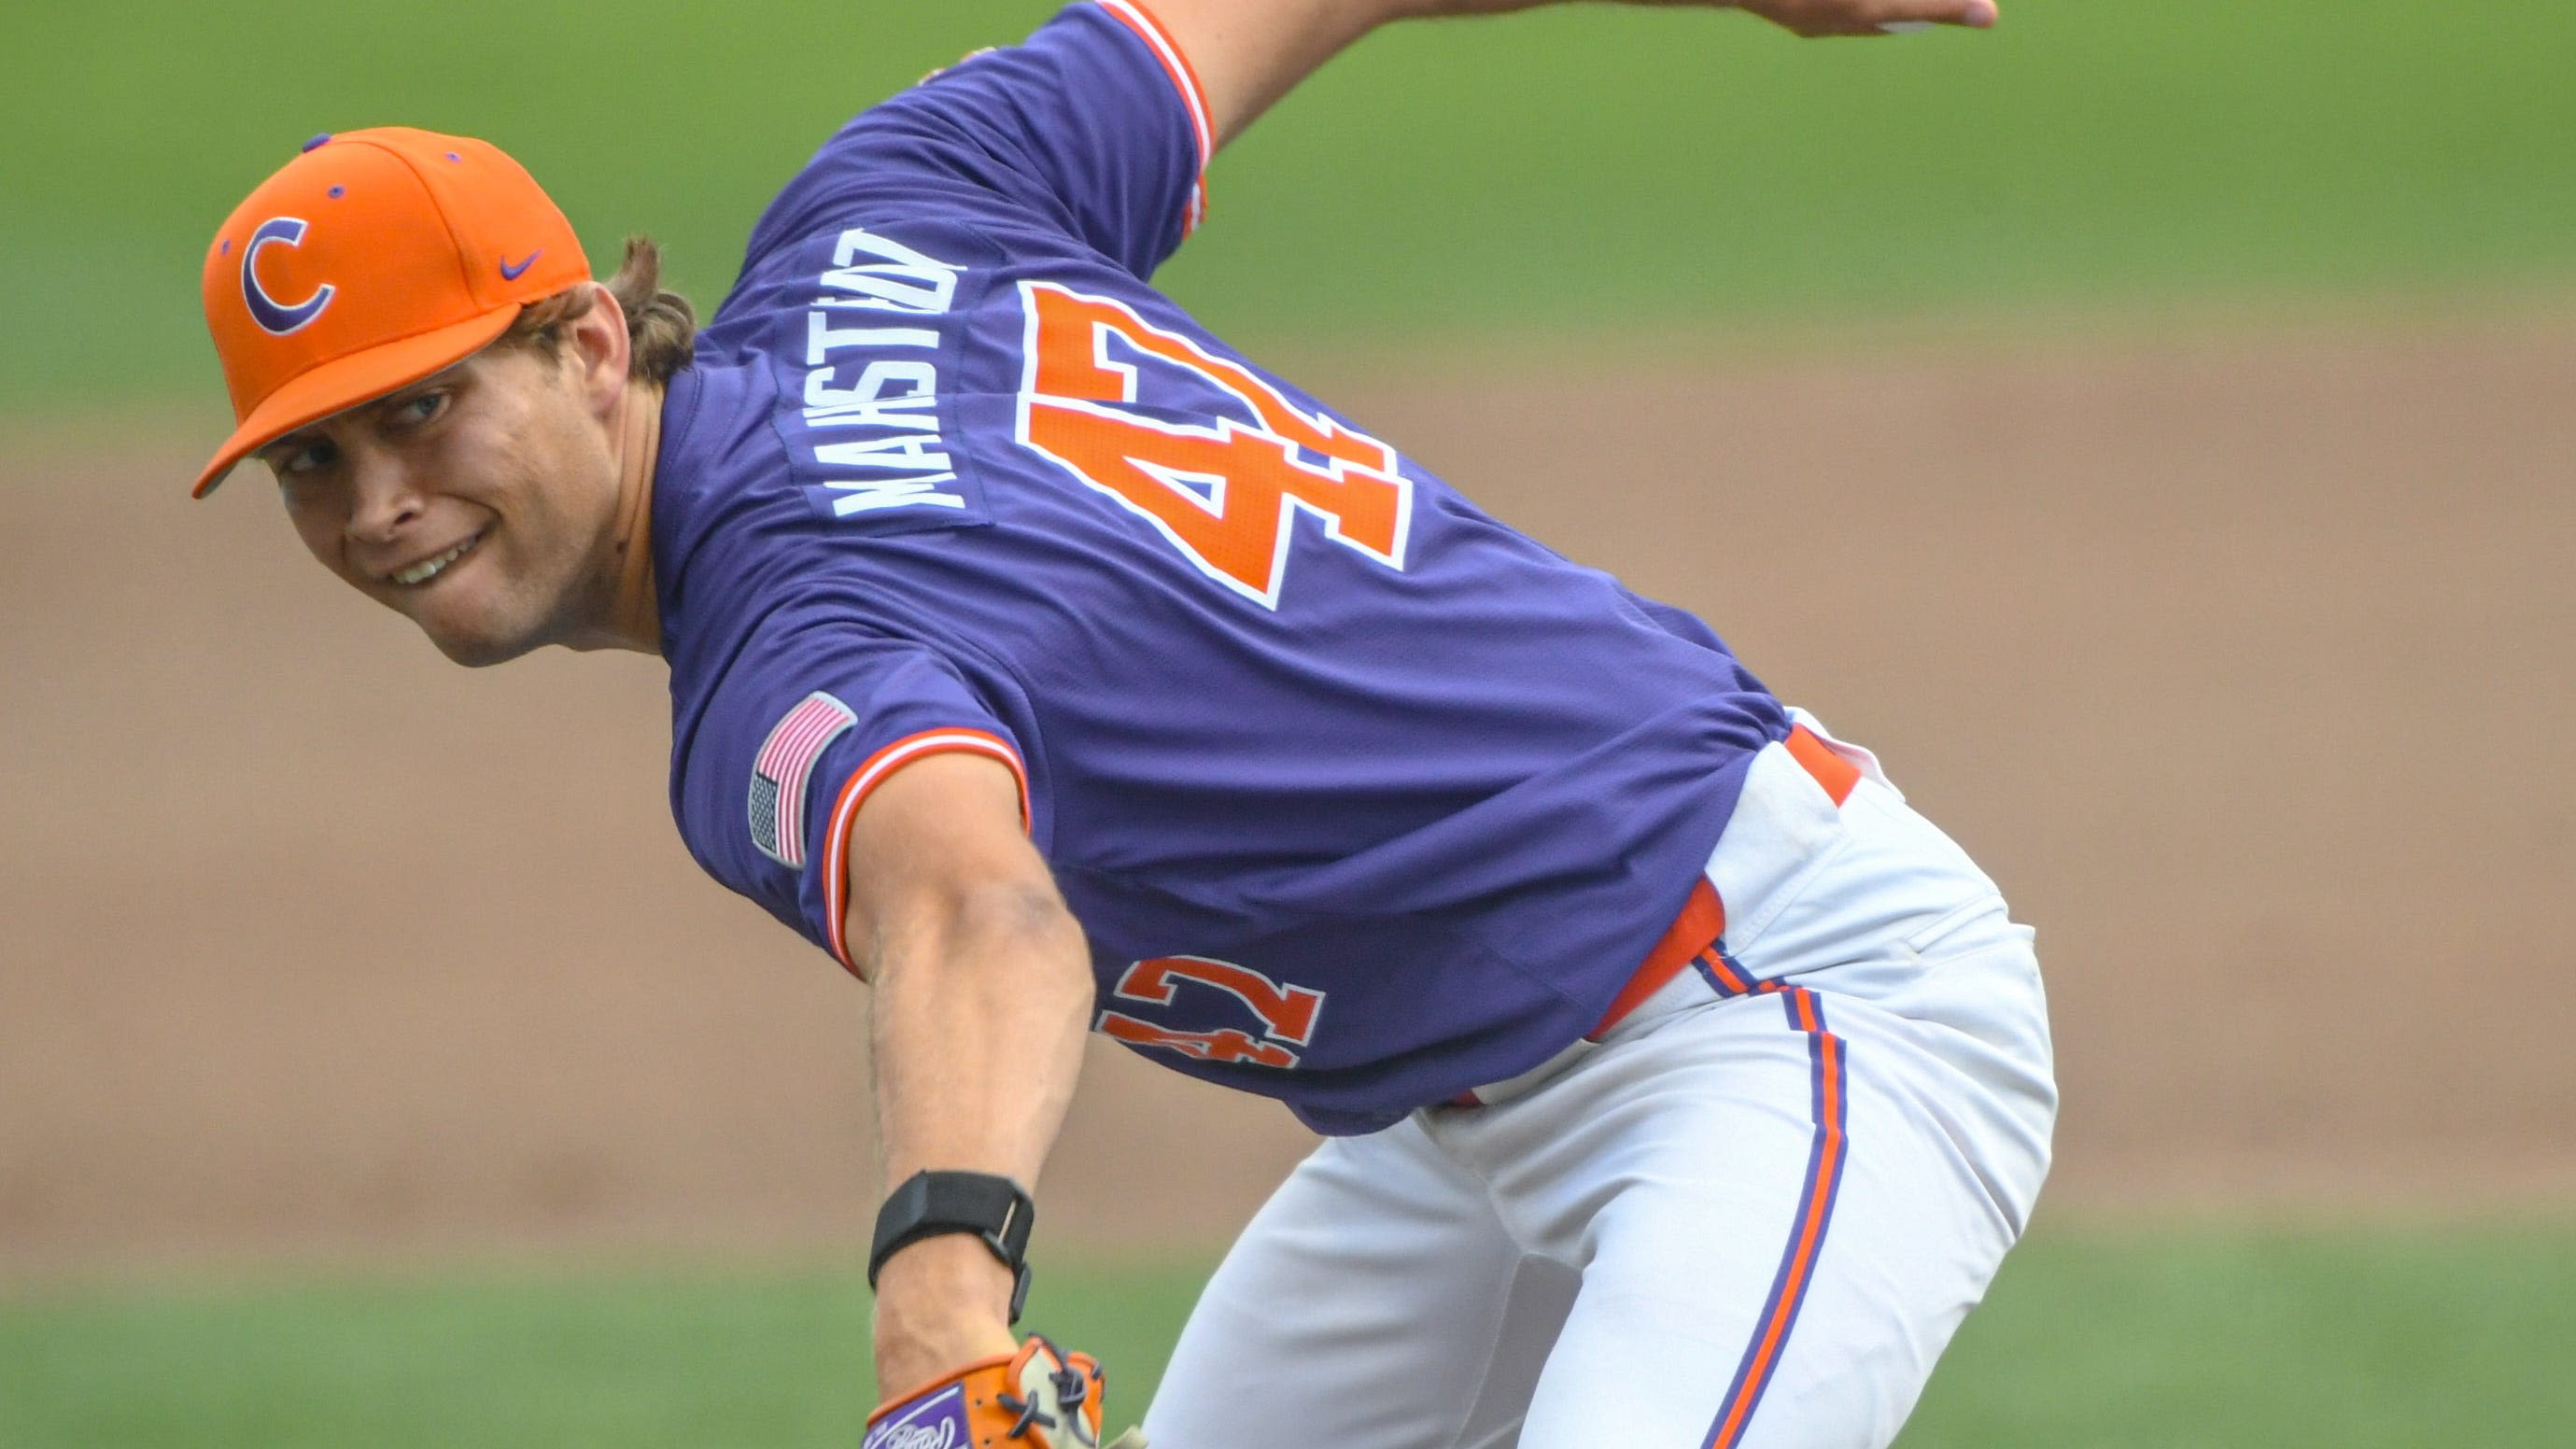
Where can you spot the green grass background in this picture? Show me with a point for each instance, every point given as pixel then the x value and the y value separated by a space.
pixel 2178 1337
pixel 1580 170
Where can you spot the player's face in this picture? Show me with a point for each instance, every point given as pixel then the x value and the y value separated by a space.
pixel 481 504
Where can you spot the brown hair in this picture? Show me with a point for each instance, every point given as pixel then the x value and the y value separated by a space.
pixel 663 324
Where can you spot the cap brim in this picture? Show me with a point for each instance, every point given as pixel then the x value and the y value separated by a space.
pixel 346 382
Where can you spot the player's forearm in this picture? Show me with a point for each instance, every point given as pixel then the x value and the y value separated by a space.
pixel 980 1009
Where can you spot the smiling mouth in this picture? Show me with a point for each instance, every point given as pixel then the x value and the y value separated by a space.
pixel 431 567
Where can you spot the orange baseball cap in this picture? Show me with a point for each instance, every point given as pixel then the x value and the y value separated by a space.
pixel 370 261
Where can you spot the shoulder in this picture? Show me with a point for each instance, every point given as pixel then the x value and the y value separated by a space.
pixel 1091 129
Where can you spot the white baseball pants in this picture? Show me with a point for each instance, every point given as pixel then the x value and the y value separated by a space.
pixel 1749 1218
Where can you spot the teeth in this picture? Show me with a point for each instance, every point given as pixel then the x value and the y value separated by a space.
pixel 429 568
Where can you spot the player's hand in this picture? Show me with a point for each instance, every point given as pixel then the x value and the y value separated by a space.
pixel 1032 1398
pixel 1870 17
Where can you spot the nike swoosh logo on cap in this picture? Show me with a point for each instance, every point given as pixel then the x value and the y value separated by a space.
pixel 511 274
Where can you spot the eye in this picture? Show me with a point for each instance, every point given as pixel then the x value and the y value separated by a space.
pixel 418 410
pixel 312 458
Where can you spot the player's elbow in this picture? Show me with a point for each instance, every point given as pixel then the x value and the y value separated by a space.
pixel 1018 927
pixel 1029 914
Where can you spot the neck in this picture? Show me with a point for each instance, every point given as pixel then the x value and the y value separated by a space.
pixel 634 614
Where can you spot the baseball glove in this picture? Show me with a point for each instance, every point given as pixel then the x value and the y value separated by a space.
pixel 1038 1398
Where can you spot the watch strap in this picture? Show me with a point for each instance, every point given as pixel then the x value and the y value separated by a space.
pixel 933 1204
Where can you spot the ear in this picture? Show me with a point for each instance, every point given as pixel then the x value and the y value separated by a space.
pixel 598 345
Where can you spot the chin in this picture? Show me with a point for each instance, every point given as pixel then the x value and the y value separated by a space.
pixel 478 643
pixel 479 653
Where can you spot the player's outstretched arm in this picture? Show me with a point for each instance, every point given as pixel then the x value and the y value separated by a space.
pixel 981 986
pixel 1248 56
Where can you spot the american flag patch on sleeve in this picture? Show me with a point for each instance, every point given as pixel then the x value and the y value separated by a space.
pixel 780 772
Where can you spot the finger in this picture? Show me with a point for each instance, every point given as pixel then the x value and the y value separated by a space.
pixel 1872 17
pixel 1972 14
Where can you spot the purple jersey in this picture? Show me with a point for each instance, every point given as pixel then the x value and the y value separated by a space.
pixel 1361 797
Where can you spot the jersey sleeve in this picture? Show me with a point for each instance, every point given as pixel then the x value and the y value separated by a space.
pixel 811 717
pixel 1094 127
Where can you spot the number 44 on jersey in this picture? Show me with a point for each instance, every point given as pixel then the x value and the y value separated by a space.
pixel 1222 491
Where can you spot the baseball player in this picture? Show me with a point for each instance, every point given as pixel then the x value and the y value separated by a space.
pixel 1059 670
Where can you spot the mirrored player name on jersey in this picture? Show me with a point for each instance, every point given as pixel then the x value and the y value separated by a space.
pixel 866 421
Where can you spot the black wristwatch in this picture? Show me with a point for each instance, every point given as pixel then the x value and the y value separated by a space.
pixel 930 1204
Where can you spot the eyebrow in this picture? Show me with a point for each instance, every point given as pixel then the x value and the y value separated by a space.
pixel 301 437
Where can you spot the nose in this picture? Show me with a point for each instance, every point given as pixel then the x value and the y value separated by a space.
pixel 385 497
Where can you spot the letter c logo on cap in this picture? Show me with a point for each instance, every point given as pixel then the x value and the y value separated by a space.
pixel 275 317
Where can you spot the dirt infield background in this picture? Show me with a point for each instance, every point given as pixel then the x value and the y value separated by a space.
pixel 2247 665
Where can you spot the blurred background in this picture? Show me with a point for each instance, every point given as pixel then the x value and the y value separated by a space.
pixel 2146 425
